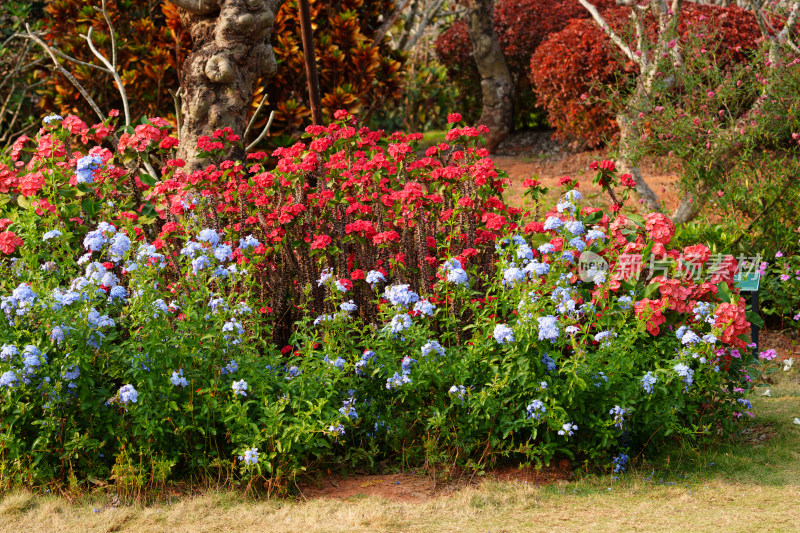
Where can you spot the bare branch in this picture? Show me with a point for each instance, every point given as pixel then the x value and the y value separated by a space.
pixel 113 72
pixel 253 118
pixel 384 29
pixel 598 18
pixel 263 132
pixel 66 73
pixel 176 95
pixel 104 11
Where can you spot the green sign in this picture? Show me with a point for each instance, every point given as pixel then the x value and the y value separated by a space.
pixel 748 282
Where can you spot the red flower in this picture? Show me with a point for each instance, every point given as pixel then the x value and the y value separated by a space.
pixel 320 242
pixel 357 274
pixel 9 241
pixel 452 118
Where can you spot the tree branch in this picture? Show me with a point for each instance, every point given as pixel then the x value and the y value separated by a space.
pixel 263 132
pixel 598 18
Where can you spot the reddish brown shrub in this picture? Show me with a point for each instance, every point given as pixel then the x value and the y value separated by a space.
pixel 580 60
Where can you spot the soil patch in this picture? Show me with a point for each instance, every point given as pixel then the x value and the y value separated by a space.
pixel 533 153
pixel 419 488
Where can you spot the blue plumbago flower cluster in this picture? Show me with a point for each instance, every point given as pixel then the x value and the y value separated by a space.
pixel 686 374
pixel 536 409
pixel 128 394
pixel 401 296
pixel 239 387
pixel 336 431
pixel 548 328
pixel 432 346
pixel 84 171
pixel 398 379
pixel 648 381
pixel 619 463
pixel 374 277
pixel 364 361
pixel 458 391
pixel 177 378
pixel 455 273
pixel 337 363
pixel 250 457
pixel 503 334
pixel 605 338
pixel 568 429
pixel 348 408
pixel 619 416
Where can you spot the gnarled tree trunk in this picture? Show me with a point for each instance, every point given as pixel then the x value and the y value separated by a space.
pixel 230 51
pixel 497 87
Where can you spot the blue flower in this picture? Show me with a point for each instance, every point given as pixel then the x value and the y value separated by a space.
pixel 626 302
pixel 548 328
pixel 239 387
pixel 200 263
pixel 398 380
pixel 399 323
pixel 548 362
pixel 7 351
pixel 512 275
pixel 177 378
pixel 619 463
pixel 685 373
pixel 458 276
pixel 595 235
pixel 578 244
pixel 374 276
pixel 250 456
pixel 8 379
pixel 230 368
pixel 648 381
pixel 53 233
pixel 223 252
pixel 431 346
pixel 424 307
pixel 348 307
pixel 127 394
pixel 349 409
pixel 51 117
pixel 618 413
pixel 573 196
pixel 337 430
pixel 191 248
pixel 503 334
pixel 459 391
pixel 57 335
pixel 546 248
pixel 553 223
pixel 248 242
pixel 536 409
pixel 568 429
pixel 400 295
pixel 210 236
pixel 361 363
pixel 537 269
pixel 575 227
pixel 86 167
pixel 337 363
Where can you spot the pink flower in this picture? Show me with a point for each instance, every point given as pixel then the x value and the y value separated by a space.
pixel 768 355
pixel 779 254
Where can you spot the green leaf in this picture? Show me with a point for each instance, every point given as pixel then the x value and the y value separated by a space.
pixel 724 292
pixel 755 319
pixel 147 179
pixel 23 202
pixel 650 290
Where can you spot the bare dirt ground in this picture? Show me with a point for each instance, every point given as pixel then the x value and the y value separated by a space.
pixel 414 487
pixel 534 154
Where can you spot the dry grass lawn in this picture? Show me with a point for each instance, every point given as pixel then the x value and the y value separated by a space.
pixel 752 484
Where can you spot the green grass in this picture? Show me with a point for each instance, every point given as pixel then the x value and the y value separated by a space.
pixel 750 482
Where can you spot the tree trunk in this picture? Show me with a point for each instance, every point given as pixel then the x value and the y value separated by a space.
pixel 230 51
pixel 628 165
pixel 496 85
pixel 688 209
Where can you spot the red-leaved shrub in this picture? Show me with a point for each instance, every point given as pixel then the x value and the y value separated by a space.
pixel 581 60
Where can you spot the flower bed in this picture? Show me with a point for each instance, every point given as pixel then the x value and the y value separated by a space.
pixel 356 303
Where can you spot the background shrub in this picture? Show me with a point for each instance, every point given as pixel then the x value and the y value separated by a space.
pixel 580 60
